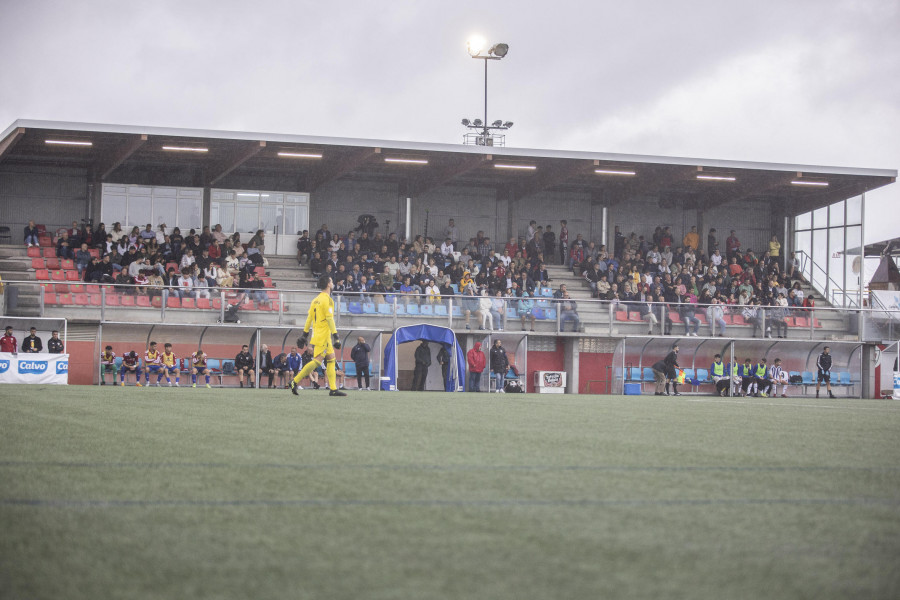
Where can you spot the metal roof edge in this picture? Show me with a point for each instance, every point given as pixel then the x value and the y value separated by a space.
pixel 443 147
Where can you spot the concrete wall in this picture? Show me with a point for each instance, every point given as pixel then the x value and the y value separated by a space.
pixel 51 196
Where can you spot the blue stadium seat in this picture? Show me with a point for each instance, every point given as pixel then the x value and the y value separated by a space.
pixel 342 306
pixel 688 374
pixel 808 378
pixel 648 374
pixel 369 308
pixel 551 314
pixel 426 309
pixel 349 368
pixel 355 308
pixel 412 309
pixel 845 378
pixel 702 375
pixel 455 287
pixel 385 309
pixel 440 310
pixel 539 314
pixel 457 310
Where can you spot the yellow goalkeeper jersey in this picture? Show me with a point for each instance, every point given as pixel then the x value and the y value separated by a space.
pixel 320 320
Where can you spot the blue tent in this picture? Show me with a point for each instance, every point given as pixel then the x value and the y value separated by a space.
pixel 456 375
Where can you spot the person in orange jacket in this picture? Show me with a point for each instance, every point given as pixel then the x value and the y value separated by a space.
pixel 475 358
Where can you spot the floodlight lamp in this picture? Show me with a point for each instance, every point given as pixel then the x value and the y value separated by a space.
pixel 499 50
pixel 508 124
pixel 477 123
pixel 475 45
pixel 466 122
pixel 497 123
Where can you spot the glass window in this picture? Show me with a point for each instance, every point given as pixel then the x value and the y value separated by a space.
pixel 246 218
pixel 836 214
pixel 269 217
pixel 222 213
pixel 220 195
pixel 189 212
pixel 295 219
pixel 164 212
pixel 803 221
pixel 854 211
pixel 140 211
pixel 114 206
pixel 854 262
pixel 820 217
pixel 820 258
pixel 836 264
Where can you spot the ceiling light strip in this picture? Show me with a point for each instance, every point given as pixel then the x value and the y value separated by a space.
pixel 68 143
pixel 299 155
pixel 716 177
pixel 818 183
pixel 184 149
pixel 508 166
pixel 411 161
pixel 612 172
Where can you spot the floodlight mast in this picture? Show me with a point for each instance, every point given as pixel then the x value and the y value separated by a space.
pixel 475 47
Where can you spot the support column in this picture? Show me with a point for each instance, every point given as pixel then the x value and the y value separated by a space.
pixel 206 208
pixel 570 364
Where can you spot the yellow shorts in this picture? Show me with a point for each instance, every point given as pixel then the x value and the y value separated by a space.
pixel 321 343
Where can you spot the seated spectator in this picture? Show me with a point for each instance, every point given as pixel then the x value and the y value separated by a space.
pixel 186 284
pixel 568 311
pixel 124 283
pixel 688 313
pixel 32 237
pixel 142 281
pixel 498 310
pixel 525 310
pixel 715 315
pixel 82 259
pixel 63 247
pixel 155 284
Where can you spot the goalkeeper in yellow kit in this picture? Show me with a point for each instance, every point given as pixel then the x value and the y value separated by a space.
pixel 320 322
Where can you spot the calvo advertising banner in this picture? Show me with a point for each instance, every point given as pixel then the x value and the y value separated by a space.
pixel 34 368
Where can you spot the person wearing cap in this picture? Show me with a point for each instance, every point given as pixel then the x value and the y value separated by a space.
pixel 32 344
pixel 8 342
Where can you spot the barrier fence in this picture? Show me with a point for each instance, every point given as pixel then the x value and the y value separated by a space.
pixel 543 313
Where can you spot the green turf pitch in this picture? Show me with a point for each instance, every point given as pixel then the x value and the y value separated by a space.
pixel 195 493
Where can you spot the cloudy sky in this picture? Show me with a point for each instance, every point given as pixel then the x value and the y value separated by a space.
pixel 814 82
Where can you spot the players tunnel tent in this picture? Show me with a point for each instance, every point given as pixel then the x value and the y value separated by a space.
pixel 456 375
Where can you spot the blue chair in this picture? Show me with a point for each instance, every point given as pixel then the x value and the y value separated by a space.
pixel 412 309
pixel 426 309
pixel 349 368
pixel 118 362
pixel 342 306
pixel 457 311
pixel 551 314
pixel 688 374
pixel 702 375
pixel 369 308
pixel 385 309
pixel 511 313
pixel 440 310
pixel 845 379
pixel 539 314
pixel 228 367
pixel 455 287
pixel 648 374
pixel 808 378
pixel 355 308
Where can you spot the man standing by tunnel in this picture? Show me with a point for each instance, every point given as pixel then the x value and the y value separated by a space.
pixel 423 361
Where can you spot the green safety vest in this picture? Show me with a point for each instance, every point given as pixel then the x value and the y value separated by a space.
pixel 718 369
pixel 760 370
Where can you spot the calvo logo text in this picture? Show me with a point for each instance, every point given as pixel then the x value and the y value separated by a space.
pixel 4 366
pixel 62 367
pixel 32 367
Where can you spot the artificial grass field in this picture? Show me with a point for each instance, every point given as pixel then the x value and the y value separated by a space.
pixel 194 493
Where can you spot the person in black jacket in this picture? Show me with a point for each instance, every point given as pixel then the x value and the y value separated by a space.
pixel 665 371
pixel 55 345
pixel 32 343
pixel 244 365
pixel 443 359
pixel 423 361
pixel 823 365
pixel 266 365
pixel 499 365
pixel 360 356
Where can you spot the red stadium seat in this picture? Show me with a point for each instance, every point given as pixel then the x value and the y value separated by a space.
pixel 94 252
pixel 94 299
pixel 67 264
pixel 38 263
pixel 635 317
pixel 674 317
pixel 145 302
pixel 621 315
pixel 49 298
pixel 41 229
pixel 45 240
pixel 171 265
pixel 203 303
pixel 112 299
pixel 52 263
pixel 173 302
pixel 64 299
pixel 264 306
pixel 49 252
pixel 58 276
pixel 272 294
pixel 81 299
pixel 155 301
pixel 72 276
pixel 75 288
pixel 738 320
pixel 217 303
pixel 42 275
pixel 127 300
pixel 801 321
pixel 261 271
pixel 33 252
pixel 185 303
pixel 789 321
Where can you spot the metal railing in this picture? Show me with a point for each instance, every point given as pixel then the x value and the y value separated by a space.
pixel 542 314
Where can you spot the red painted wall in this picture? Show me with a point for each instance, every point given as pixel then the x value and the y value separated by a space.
pixel 593 373
pixel 542 361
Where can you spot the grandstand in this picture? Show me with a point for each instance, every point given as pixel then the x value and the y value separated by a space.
pixel 56 173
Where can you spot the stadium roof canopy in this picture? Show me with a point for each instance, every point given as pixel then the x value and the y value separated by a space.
pixel 110 153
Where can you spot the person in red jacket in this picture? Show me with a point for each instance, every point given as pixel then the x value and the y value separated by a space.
pixel 475 358
pixel 8 342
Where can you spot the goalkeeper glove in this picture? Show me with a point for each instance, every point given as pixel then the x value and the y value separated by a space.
pixel 304 337
pixel 335 341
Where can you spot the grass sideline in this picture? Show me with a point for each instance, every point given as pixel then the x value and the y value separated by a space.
pixel 195 493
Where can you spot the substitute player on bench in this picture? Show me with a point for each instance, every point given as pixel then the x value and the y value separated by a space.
pixel 199 366
pixel 170 365
pixel 320 323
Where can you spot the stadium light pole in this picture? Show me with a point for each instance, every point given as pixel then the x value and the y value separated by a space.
pixel 477 48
